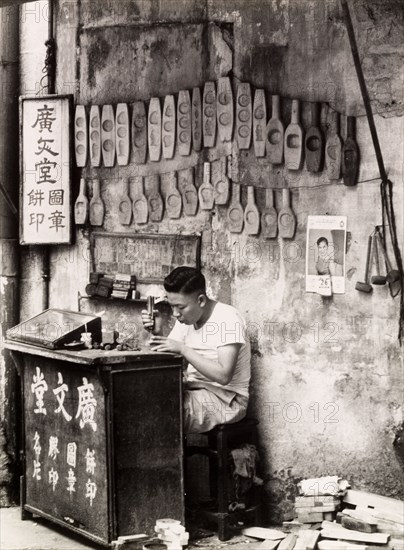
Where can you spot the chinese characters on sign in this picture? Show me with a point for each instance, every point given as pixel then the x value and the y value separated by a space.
pixel 45 170
pixel 60 452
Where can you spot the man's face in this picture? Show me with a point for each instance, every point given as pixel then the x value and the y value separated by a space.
pixel 322 249
pixel 187 308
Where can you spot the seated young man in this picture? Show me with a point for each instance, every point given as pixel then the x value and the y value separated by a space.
pixel 211 337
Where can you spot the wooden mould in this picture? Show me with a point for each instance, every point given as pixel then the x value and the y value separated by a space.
pixel 350 155
pixel 196 120
pixel 259 123
pixel 125 205
pixel 225 109
pixel 269 217
pixel 173 199
pixel 293 142
pixel 139 205
pixel 168 127
pixel 286 217
pixel 80 136
pixel 333 149
pixel 314 142
pixel 139 133
pixel 188 191
pixel 108 136
pixel 81 205
pixel 155 201
pixel 275 134
pixel 97 209
pixel 251 214
pixel 122 134
pixel 243 115
pixel 209 115
pixel 221 183
pixel 235 214
pixel 154 129
pixel 184 124
pixel 95 136
pixel 205 192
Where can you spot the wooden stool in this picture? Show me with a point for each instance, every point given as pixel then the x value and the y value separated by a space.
pixel 221 440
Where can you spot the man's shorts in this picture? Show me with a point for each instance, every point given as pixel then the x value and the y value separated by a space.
pixel 203 410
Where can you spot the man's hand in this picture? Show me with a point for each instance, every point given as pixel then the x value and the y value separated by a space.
pixel 147 320
pixel 161 343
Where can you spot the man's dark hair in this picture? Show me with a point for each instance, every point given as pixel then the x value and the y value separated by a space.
pixel 186 280
pixel 322 239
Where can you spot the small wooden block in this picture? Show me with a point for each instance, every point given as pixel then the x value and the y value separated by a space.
pixel 259 123
pixel 288 543
pixel 358 525
pixel 307 517
pixel 321 508
pixel 168 127
pixel 307 539
pixel 80 136
pixel 268 545
pixel 263 533
pixel 363 515
pixel 329 516
pixel 300 502
pixel 243 115
pixel 95 135
pixel 108 136
pixel 184 125
pixel 381 503
pixel 209 114
pixel 339 545
pixel 225 116
pixel 196 120
pixel 122 134
pixel 139 132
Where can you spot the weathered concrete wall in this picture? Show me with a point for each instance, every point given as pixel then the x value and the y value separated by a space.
pixel 327 373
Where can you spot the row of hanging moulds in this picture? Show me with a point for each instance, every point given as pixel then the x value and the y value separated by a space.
pixel 174 126
pixel 184 197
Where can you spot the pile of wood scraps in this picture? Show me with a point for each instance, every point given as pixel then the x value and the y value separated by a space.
pixel 365 521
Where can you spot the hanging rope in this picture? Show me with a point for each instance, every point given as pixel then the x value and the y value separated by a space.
pixel 386 186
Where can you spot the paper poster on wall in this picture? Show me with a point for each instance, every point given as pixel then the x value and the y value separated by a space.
pixel 45 170
pixel 325 254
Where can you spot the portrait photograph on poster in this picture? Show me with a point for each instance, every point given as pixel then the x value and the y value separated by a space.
pixel 325 254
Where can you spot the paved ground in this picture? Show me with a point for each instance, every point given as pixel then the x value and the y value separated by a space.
pixel 41 535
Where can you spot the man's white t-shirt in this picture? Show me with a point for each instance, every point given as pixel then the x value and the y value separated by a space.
pixel 224 326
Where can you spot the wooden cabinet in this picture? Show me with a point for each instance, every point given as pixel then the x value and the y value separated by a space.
pixel 103 441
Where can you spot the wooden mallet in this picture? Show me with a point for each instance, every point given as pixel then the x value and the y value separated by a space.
pixel 377 279
pixel 365 286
